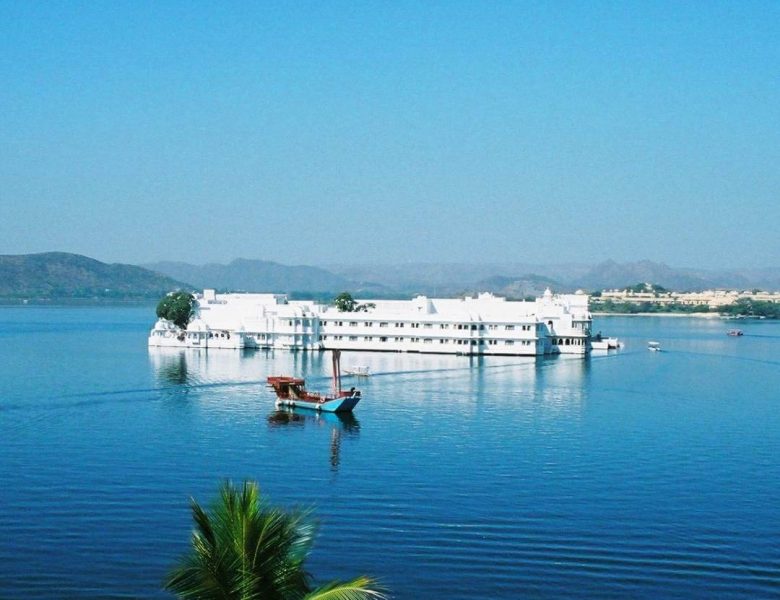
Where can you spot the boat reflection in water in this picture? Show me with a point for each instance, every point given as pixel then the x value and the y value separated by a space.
pixel 342 425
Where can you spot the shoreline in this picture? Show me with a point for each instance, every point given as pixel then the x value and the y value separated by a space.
pixel 662 314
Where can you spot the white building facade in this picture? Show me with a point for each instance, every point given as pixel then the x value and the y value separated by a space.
pixel 482 325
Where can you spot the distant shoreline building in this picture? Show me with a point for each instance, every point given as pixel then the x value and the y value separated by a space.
pixel 481 325
pixel 712 299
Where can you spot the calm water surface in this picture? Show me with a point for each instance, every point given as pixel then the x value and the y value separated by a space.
pixel 626 475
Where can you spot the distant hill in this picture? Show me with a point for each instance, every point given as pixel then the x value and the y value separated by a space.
pixel 243 275
pixel 453 279
pixel 60 275
pixel 447 279
pixel 610 274
pixel 518 287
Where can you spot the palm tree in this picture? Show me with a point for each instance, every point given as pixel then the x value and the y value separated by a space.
pixel 247 550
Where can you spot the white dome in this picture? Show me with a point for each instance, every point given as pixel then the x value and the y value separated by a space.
pixel 163 325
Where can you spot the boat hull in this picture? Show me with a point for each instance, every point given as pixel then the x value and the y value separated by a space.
pixel 334 405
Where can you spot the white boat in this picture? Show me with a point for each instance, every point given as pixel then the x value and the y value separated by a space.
pixel 604 343
pixel 290 391
pixel 654 346
pixel 358 371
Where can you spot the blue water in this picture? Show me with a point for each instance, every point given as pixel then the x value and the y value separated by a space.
pixel 626 475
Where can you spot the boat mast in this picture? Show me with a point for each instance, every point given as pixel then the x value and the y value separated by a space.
pixel 337 371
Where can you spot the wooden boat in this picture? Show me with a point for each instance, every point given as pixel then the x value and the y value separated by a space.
pixel 735 332
pixel 291 391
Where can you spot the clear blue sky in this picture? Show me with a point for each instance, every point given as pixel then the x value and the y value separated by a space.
pixel 392 131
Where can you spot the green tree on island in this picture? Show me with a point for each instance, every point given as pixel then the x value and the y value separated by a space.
pixel 244 549
pixel 344 302
pixel 177 307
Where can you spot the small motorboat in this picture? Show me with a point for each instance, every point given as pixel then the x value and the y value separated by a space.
pixel 735 332
pixel 654 346
pixel 604 343
pixel 358 371
pixel 291 391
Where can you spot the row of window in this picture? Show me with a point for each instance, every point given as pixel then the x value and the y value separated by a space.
pixel 399 325
pixel 416 340
pixel 304 322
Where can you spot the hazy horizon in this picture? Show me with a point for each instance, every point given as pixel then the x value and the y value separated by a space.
pixel 420 262
pixel 327 133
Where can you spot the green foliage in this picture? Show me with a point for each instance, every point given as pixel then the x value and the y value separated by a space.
pixel 177 307
pixel 642 288
pixel 632 308
pixel 244 549
pixel 752 308
pixel 344 302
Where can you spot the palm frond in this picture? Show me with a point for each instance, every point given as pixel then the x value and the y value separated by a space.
pixel 360 588
pixel 244 549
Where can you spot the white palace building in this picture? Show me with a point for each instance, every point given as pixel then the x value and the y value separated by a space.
pixel 483 325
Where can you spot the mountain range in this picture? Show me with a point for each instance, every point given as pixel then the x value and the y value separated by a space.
pixel 243 275
pixel 59 275
pixel 514 280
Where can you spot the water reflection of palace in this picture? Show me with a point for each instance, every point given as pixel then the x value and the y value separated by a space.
pixel 416 381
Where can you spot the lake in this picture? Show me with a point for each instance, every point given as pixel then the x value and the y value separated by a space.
pixel 628 474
